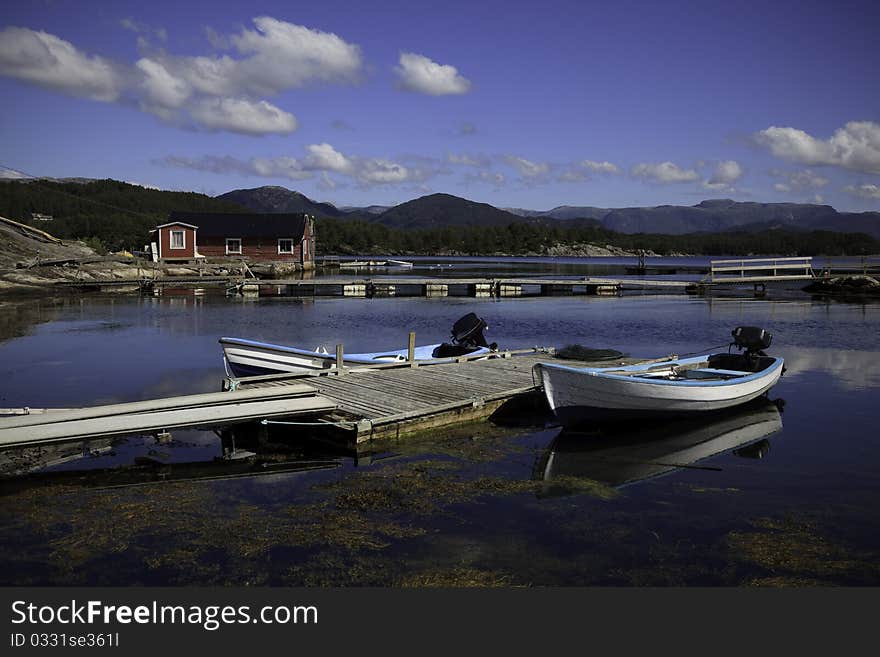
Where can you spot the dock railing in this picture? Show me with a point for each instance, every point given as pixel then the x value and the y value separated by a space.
pixel 748 270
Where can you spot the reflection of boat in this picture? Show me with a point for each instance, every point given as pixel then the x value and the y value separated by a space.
pixel 676 386
pixel 621 457
pixel 248 357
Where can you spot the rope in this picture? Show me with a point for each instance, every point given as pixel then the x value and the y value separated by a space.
pixel 341 423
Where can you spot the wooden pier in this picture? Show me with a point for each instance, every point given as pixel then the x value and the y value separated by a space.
pixel 392 400
pixel 348 406
pixel 720 273
pixel 160 415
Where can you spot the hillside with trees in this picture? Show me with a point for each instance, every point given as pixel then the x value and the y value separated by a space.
pixel 107 214
pixel 112 215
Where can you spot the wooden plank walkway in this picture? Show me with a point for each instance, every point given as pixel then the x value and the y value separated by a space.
pixel 201 410
pixel 390 401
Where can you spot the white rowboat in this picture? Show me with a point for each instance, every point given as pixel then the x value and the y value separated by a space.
pixel 711 382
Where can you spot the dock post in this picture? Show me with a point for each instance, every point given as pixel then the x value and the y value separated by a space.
pixel 340 368
pixel 411 350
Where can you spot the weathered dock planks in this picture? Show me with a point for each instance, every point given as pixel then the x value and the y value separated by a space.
pixel 210 409
pixel 393 400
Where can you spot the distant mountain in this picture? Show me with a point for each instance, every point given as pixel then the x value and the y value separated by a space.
pixel 718 215
pixel 279 200
pixel 563 212
pixel 709 216
pixel 445 210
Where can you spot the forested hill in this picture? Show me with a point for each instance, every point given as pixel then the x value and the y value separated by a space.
pixel 709 216
pixel 437 210
pixel 114 214
pixel 272 199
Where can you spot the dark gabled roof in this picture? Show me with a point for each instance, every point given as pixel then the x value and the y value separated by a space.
pixel 216 224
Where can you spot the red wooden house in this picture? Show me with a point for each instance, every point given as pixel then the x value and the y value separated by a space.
pixel 288 238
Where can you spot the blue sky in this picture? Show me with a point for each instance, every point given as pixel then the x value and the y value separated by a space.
pixel 529 105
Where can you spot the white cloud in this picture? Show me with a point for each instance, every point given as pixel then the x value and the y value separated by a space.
pixel 805 181
pixel 283 55
pixel 382 172
pixel 320 160
pixel 600 167
pixel 277 167
pixel 51 62
pixel 323 157
pixel 664 172
pixel 161 90
pixel 422 75
pixel 143 29
pixel 866 190
pixel 727 172
pixel 855 146
pixel 469 160
pixel 225 92
pixel 584 171
pixel 487 177
pixel 243 116
pixel 724 176
pixel 527 168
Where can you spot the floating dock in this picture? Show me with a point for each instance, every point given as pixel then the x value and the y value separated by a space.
pixel 389 401
pixel 160 415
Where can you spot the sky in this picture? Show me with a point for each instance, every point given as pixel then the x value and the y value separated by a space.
pixel 517 104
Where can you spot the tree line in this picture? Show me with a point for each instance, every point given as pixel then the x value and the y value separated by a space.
pixel 338 236
pixel 114 215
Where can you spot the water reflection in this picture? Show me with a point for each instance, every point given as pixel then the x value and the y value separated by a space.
pixel 620 457
pixel 184 455
pixel 17 318
pixel 849 369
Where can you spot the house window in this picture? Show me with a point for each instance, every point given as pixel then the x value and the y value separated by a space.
pixel 233 245
pixel 178 239
pixel 285 246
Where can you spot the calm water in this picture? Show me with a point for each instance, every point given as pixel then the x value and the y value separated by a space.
pixel 773 498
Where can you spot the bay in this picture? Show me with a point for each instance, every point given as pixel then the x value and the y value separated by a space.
pixel 481 505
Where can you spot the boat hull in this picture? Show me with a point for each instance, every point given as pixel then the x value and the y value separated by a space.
pixel 251 358
pixel 580 396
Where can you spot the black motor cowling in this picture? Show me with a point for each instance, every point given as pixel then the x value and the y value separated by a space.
pixel 469 330
pixel 467 336
pixel 752 339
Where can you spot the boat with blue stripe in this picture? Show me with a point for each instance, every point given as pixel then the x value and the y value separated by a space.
pixel 243 357
pixel 672 387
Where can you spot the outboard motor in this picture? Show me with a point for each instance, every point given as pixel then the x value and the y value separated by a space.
pixel 467 336
pixel 751 339
pixel 469 331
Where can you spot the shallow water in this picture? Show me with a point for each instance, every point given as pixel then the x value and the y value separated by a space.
pixel 773 498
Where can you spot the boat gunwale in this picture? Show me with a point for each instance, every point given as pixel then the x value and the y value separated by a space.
pixel 607 373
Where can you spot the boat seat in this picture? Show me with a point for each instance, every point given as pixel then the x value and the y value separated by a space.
pixel 711 372
pixel 739 362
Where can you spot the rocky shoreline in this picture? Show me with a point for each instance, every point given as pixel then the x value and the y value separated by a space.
pixel 857 285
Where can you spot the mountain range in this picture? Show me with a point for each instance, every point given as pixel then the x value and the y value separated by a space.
pixel 435 210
